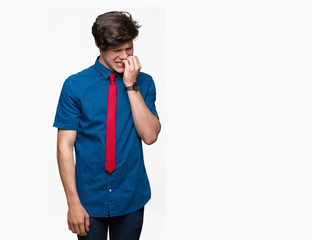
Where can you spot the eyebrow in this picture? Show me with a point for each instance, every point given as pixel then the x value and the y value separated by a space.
pixel 118 49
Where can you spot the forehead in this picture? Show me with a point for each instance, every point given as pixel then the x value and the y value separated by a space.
pixel 124 46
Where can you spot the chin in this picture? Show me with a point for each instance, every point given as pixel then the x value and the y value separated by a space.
pixel 119 70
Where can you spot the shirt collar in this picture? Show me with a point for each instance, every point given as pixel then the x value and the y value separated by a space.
pixel 104 71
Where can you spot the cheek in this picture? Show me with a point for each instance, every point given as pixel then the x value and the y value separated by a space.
pixel 115 58
pixel 130 52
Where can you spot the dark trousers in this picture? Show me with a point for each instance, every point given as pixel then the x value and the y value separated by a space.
pixel 126 227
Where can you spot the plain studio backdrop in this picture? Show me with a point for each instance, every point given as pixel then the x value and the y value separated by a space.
pixel 233 78
pixel 46 45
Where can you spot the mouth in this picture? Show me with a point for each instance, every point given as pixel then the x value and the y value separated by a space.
pixel 120 65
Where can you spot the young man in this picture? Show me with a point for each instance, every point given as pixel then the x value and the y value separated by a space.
pixel 105 111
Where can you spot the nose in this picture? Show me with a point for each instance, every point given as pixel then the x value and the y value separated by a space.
pixel 124 55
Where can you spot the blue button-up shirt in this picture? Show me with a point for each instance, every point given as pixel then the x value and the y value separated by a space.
pixel 83 106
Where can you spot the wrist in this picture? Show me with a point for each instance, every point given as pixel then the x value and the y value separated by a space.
pixel 73 202
pixel 133 87
pixel 128 81
pixel 128 84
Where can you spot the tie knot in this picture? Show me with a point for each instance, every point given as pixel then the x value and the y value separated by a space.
pixel 112 77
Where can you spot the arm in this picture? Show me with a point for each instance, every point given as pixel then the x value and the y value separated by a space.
pixel 77 217
pixel 145 122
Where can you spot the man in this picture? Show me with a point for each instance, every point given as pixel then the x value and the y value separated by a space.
pixel 105 111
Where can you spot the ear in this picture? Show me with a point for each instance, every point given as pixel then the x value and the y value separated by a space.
pixel 98 46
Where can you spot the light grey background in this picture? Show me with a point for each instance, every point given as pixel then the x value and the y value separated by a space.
pixel 74 49
pixel 43 47
pixel 234 96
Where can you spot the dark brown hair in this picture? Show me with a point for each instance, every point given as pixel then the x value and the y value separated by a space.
pixel 113 29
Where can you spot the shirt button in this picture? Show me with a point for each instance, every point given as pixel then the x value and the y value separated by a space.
pixel 110 190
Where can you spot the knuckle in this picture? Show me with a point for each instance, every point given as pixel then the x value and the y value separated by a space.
pixel 76 223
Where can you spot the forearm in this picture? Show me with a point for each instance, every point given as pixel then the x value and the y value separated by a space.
pixel 146 123
pixel 66 166
pixel 77 216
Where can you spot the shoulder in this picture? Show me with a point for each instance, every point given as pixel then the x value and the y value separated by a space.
pixel 77 83
pixel 144 79
pixel 82 76
pixel 146 84
pixel 144 76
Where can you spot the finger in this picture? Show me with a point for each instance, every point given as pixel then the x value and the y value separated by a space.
pixel 126 62
pixel 136 63
pixel 82 230
pixel 70 227
pixel 131 62
pixel 139 63
pixel 75 229
pixel 87 223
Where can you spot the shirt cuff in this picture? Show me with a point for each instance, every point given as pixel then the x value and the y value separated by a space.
pixel 67 126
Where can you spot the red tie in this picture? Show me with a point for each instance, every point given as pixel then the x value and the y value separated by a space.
pixel 111 126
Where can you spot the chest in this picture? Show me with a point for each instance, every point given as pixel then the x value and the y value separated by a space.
pixel 93 100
